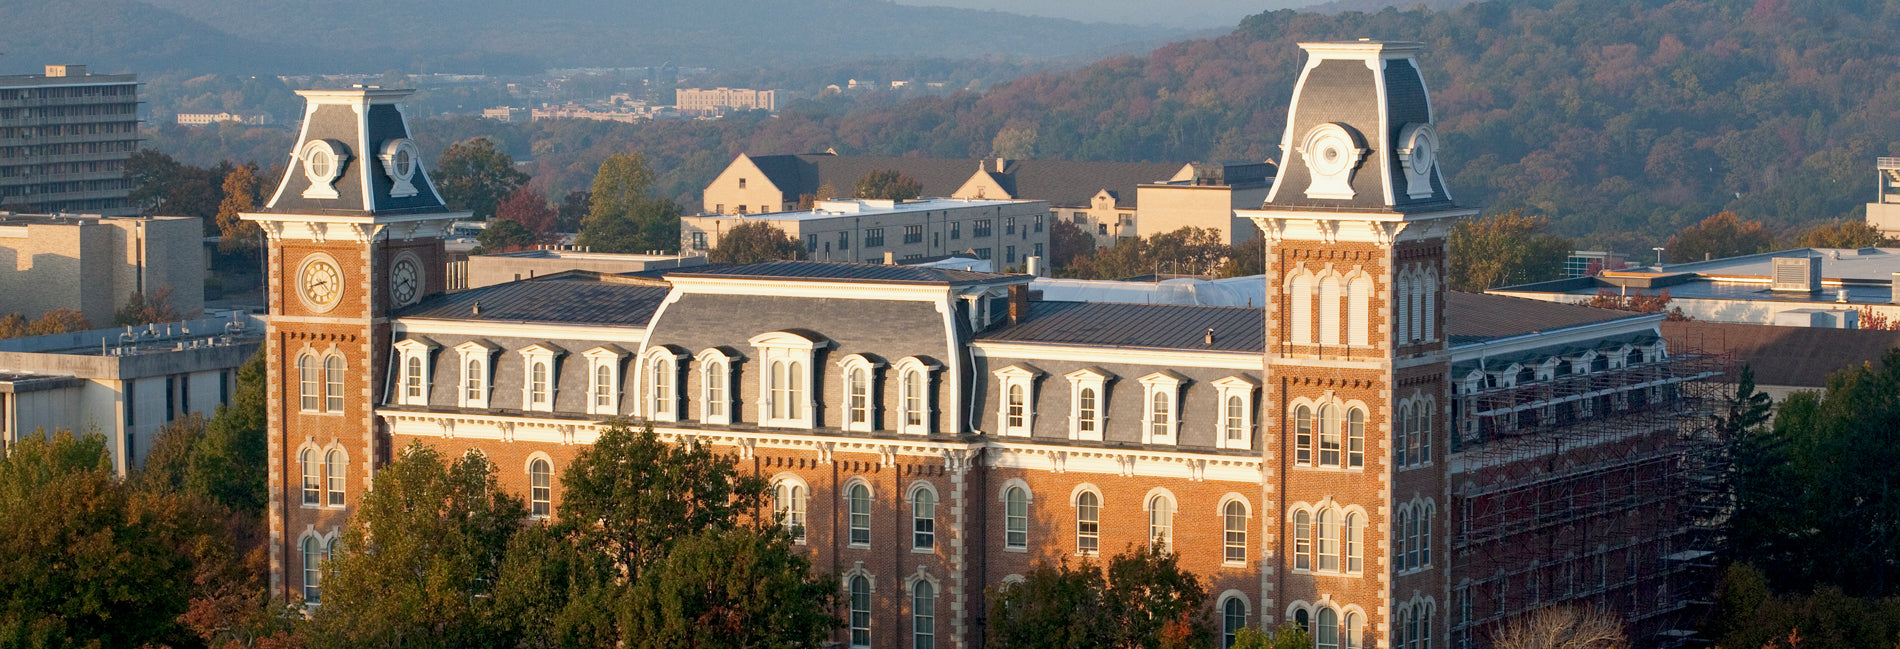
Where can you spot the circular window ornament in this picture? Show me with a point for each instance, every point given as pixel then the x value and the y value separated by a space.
pixel 1331 152
pixel 399 158
pixel 323 162
pixel 1418 151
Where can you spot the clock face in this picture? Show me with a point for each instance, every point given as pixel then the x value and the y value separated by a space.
pixel 320 283
pixel 405 281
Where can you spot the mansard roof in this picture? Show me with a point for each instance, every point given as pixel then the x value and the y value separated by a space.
pixel 367 131
pixel 846 272
pixel 1158 326
pixel 555 299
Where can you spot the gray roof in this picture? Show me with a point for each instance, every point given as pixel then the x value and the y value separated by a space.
pixel 845 272
pixel 564 299
pixel 1476 317
pixel 1345 91
pixel 1801 357
pixel 339 123
pixel 1164 326
pixel 1061 182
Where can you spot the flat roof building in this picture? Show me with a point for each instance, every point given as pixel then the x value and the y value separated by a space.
pixel 92 263
pixel 65 137
pixel 881 231
pixel 1803 287
pixel 488 270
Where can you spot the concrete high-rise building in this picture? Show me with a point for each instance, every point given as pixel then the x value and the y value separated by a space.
pixel 65 137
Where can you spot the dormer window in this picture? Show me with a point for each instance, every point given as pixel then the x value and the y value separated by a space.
pixel 1160 412
pixel 1235 428
pixel 538 386
pixel 916 406
pixel 603 385
pixel 660 372
pixel 785 394
pixel 476 357
pixel 1015 414
pixel 715 386
pixel 861 401
pixel 1088 401
pixel 414 357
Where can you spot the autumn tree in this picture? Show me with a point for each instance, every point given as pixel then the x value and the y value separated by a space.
pixel 163 185
pixel 530 209
pixel 1843 233
pixel 242 193
pixel 1139 597
pixel 1719 236
pixel 754 242
pixel 418 562
pixel 1287 636
pixel 887 184
pixel 1562 627
pixel 56 321
pixel 140 309
pixel 622 216
pixel 475 175
pixel 1639 302
pixel 1506 249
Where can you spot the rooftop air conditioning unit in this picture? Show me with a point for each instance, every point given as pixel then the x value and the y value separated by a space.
pixel 1797 274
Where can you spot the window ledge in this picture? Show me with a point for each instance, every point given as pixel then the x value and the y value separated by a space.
pixel 1007 548
pixel 929 550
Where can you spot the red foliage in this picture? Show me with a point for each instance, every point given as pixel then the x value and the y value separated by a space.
pixel 529 208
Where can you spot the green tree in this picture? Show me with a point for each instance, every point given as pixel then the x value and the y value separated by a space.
pixel 1507 249
pixel 502 235
pixel 1141 600
pixel 754 242
pixel 162 185
pixel 1287 636
pixel 1721 235
pixel 418 562
pixel 887 184
pixel 1844 233
pixel 736 587
pixel 475 175
pixel 229 464
pixel 621 216
pixel 1747 613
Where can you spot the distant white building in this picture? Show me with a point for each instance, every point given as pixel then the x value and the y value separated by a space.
pixel 891 231
pixel 715 100
pixel 200 119
pixel 1804 287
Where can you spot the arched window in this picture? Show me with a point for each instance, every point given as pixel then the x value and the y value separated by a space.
pixel 1355 535
pixel 788 503
pixel 923 615
pixel 1349 631
pixel 923 518
pixel 1302 540
pixel 1359 311
pixel 333 383
pixel 1234 424
pixel 1413 300
pixel 717 376
pixel 314 553
pixel 1327 534
pixel 859 591
pixel 858 382
pixel 1088 523
pixel 860 507
pixel 1430 294
pixel 1412 523
pixel 659 383
pixel 1014 407
pixel 1425 535
pixel 1158 415
pixel 603 385
pixel 1300 294
pixel 1085 411
pixel 1328 435
pixel 1233 618
pixel 335 467
pixel 312 478
pixel 1302 619
pixel 472 380
pixel 913 396
pixel 1401 537
pixel 1016 517
pixel 1424 433
pixel 1303 435
pixel 540 488
pixel 1403 319
pixel 412 377
pixel 307 380
pixel 1234 526
pixel 1355 437
pixel 1413 626
pixel 1329 310
pixel 1401 432
pixel 1326 635
pixel 1161 521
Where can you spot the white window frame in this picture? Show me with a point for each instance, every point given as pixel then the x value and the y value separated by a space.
pixel 545 498
pixel 1167 384
pixel 420 349
pixel 609 357
pixel 708 360
pixel 909 369
pixel 785 346
pixel 918 522
pixel 1029 502
pixel 1301 293
pixel 1359 289
pixel 483 353
pixel 1160 527
pixel 539 353
pixel 873 404
pixel 791 505
pixel 675 362
pixel 1246 528
pixel 1088 377
pixel 1016 376
pixel 1244 388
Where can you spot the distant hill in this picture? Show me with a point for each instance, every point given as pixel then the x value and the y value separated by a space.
pixel 121 36
pixel 472 36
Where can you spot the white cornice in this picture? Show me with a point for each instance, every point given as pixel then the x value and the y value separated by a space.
pixel 1104 355
pixel 592 333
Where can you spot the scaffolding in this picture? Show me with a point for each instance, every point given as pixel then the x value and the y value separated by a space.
pixel 1590 483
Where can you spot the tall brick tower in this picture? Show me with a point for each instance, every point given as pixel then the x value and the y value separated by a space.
pixel 355 231
pixel 1356 399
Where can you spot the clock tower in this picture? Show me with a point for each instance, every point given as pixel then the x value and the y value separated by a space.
pixel 1356 225
pixel 355 232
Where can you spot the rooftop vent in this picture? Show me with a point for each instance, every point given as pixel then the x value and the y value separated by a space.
pixel 1797 274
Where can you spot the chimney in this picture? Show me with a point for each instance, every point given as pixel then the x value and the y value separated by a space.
pixel 68 70
pixel 1002 165
pixel 890 258
pixel 1209 340
pixel 1018 302
pixel 1033 265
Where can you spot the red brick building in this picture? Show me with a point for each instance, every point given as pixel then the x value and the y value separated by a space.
pixel 1370 455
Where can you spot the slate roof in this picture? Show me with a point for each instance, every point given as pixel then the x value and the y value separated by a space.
pixel 1477 317
pixel 554 300
pixel 1165 326
pixel 844 272
pixel 1060 182
pixel 1799 357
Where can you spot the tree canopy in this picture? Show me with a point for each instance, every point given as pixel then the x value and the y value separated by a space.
pixel 1142 599
pixel 1721 235
pixel 1503 250
pixel 754 242
pixel 475 175
pixel 887 184
pixel 622 216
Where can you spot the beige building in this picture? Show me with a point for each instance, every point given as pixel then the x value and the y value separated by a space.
pixel 489 270
pixel 879 231
pixel 64 139
pixel 92 263
pixel 201 119
pixel 715 100
pixel 122 383
pixel 1884 214
pixel 1200 196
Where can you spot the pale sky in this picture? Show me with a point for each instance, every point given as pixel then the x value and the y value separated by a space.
pixel 1198 14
